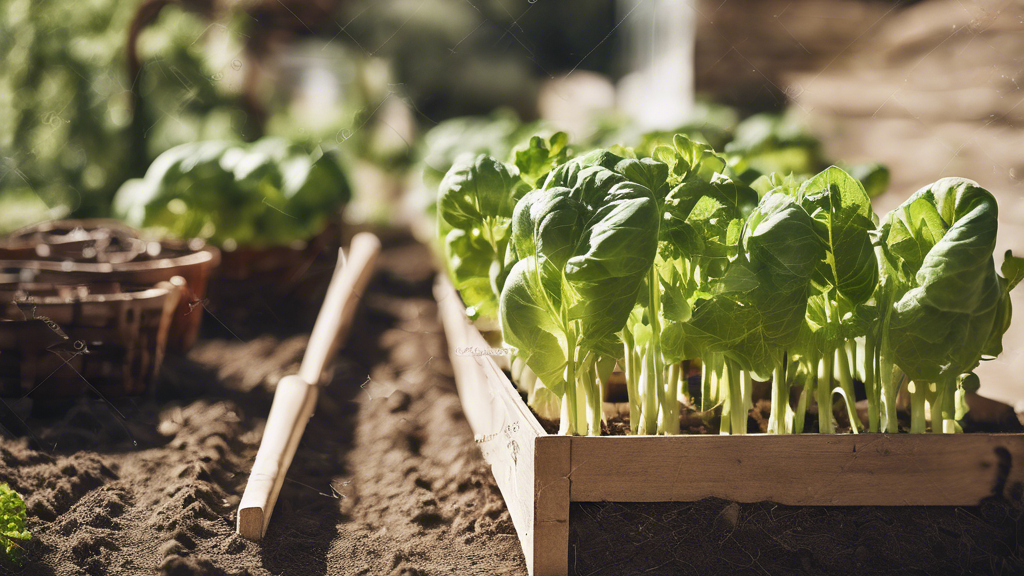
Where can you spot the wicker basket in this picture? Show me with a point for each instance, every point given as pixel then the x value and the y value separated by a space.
pixel 60 341
pixel 281 266
pixel 104 251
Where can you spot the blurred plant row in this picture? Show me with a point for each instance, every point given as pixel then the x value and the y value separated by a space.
pixel 83 115
pixel 76 122
pixel 760 144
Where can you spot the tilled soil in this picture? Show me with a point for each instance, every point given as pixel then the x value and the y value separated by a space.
pixel 713 537
pixel 387 479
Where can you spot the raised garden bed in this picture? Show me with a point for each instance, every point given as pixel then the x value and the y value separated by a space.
pixel 539 474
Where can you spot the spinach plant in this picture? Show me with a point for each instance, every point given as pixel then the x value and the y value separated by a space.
pixel 949 306
pixel 653 258
pixel 581 254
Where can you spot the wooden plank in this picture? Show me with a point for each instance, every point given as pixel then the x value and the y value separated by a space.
pixel 503 426
pixel 551 506
pixel 841 470
pixel 477 376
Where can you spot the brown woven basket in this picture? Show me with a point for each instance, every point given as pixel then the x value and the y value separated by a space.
pixel 60 341
pixel 279 265
pixel 104 251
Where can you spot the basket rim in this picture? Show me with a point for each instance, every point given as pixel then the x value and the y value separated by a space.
pixel 208 255
pixel 154 292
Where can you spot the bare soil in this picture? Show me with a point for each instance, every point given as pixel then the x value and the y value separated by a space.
pixel 714 536
pixel 387 479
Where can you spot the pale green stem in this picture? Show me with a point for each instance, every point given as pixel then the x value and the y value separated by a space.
pixel 738 408
pixel 890 388
pixel 801 412
pixel 870 384
pixel 670 405
pixel 936 409
pixel 747 390
pixel 917 413
pixel 649 416
pixel 780 401
pixel 656 376
pixel 825 424
pixel 722 375
pixel 945 407
pixel 594 397
pixel 851 350
pixel 683 384
pixel 846 384
pixel 570 383
pixel 709 396
pixel 632 388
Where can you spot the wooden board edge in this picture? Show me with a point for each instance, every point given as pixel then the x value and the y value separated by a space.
pixel 803 470
pixel 459 327
pixel 552 458
pixel 504 428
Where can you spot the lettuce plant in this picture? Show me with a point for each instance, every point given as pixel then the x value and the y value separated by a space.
pixel 474 214
pixel 949 306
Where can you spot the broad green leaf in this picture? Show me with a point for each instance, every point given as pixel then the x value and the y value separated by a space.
pixel 589 247
pixel 528 325
pixel 843 212
pixel 469 265
pixel 476 189
pixel 914 230
pixel 955 307
pixel 1012 269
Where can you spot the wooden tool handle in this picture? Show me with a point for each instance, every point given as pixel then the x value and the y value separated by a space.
pixel 338 310
pixel 294 402
pixel 295 397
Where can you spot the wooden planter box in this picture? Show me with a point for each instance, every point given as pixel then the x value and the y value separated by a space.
pixel 539 474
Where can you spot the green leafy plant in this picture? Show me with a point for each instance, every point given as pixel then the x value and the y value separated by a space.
pixel 949 306
pixel 495 135
pixel 583 251
pixel 652 259
pixel 267 193
pixel 474 213
pixel 12 524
